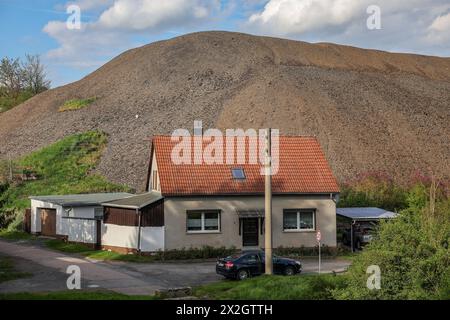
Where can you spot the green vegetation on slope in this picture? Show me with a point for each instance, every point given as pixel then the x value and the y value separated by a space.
pixel 64 167
pixel 76 104
pixel 8 102
pixel 374 190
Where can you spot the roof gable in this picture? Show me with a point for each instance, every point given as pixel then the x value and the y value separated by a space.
pixel 302 169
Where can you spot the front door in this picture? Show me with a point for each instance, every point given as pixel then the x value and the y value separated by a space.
pixel 98 233
pixel 250 232
pixel 48 222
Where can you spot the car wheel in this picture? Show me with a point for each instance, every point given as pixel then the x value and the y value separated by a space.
pixel 242 274
pixel 289 271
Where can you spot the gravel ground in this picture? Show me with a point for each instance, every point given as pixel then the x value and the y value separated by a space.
pixel 370 110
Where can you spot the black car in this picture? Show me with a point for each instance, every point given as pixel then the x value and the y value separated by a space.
pixel 247 264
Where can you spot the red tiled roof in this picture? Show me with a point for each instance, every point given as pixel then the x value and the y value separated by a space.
pixel 302 169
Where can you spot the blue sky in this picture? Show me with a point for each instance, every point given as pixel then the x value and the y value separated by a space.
pixel 109 27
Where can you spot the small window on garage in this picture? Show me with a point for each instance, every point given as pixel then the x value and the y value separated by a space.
pixel 98 212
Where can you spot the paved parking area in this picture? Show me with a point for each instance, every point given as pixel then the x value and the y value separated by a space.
pixel 49 269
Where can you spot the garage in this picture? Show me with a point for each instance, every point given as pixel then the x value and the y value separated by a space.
pixel 74 217
pixel 48 222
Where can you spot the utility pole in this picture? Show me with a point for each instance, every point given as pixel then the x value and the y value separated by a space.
pixel 268 203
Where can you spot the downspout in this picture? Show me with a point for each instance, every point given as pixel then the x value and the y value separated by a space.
pixel 139 231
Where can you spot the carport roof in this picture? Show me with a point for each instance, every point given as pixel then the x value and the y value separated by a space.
pixel 365 213
pixel 82 200
pixel 135 202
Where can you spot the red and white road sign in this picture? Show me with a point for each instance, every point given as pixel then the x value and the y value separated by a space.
pixel 318 236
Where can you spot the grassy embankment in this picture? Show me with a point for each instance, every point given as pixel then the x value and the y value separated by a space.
pixel 64 167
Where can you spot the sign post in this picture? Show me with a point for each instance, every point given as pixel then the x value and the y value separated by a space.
pixel 319 237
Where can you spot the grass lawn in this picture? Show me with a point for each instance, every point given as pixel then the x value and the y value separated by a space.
pixel 76 104
pixel 7 271
pixel 114 256
pixel 15 235
pixel 73 295
pixel 305 287
pixel 62 246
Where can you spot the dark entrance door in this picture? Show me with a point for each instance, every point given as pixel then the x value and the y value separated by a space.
pixel 250 232
pixel 48 222
pixel 98 233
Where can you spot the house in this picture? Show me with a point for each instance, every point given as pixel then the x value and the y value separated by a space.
pixel 76 218
pixel 221 204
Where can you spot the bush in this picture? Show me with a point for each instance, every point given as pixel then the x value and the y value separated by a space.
pixel 411 251
pixel 204 252
pixel 308 251
pixel 373 190
pixel 8 102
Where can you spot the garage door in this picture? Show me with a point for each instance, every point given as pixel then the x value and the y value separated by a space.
pixel 48 222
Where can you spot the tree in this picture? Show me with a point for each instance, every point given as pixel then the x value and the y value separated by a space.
pixel 11 76
pixel 34 76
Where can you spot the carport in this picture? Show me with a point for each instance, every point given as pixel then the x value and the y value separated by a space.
pixel 347 218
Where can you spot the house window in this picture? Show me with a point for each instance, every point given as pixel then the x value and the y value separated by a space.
pixel 299 220
pixel 238 173
pixel 203 221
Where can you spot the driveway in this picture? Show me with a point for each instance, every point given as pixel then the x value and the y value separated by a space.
pixel 49 269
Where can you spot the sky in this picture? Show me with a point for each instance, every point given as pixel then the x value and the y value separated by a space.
pixel 76 37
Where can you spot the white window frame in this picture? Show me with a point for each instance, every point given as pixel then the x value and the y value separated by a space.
pixel 203 230
pixel 299 211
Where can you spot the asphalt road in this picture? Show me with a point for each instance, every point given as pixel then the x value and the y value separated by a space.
pixel 49 271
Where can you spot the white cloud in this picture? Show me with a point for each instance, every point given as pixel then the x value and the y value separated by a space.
pixel 112 32
pixel 407 25
pixel 154 15
pixel 439 30
pixel 299 16
pixel 91 4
